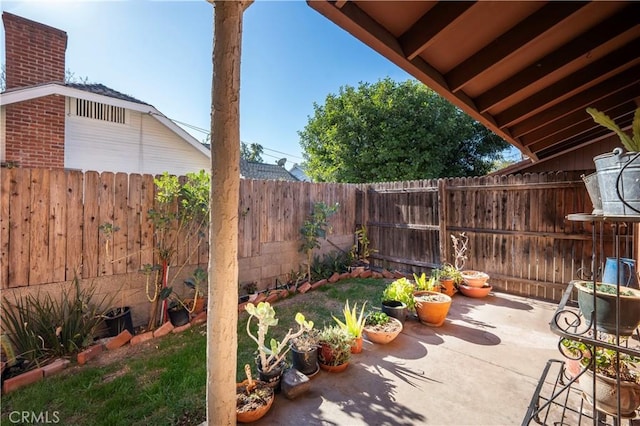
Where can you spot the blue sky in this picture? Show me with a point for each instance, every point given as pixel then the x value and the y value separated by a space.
pixel 160 53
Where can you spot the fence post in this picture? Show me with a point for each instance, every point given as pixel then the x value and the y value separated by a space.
pixel 442 219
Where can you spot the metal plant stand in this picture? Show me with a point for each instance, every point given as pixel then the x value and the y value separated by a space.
pixel 558 398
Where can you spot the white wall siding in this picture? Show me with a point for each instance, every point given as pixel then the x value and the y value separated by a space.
pixel 141 145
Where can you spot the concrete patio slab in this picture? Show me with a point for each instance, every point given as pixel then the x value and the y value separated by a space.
pixel 480 368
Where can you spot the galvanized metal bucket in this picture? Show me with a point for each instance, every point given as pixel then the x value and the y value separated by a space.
pixel 619 182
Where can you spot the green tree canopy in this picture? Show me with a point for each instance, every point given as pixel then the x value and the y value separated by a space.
pixel 391 131
pixel 251 152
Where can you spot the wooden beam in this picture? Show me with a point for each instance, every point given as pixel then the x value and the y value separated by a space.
pixel 420 35
pixel 340 3
pixel 573 50
pixel 616 84
pixel 561 121
pixel 582 125
pixel 605 104
pixel 626 55
pixel 515 39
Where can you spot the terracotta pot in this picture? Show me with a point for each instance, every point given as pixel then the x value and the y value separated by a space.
pixel 447 287
pixel 477 292
pixel 254 413
pixel 607 394
pixel 334 368
pixel 199 305
pixel 474 278
pixel 382 337
pixel 356 348
pixel 432 312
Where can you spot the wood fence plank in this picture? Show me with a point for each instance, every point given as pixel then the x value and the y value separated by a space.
pixel 134 225
pixel 40 271
pixel 91 223
pixel 5 190
pixel 146 225
pixel 120 220
pixel 19 227
pixel 75 219
pixel 106 196
pixel 57 226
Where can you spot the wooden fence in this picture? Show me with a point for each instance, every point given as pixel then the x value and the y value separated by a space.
pixel 517 227
pixel 50 222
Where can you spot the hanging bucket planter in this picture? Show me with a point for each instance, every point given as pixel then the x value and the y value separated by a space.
pixel 619 182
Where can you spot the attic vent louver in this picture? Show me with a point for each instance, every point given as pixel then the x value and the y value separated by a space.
pixel 99 111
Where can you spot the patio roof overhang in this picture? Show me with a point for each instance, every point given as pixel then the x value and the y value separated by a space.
pixel 527 70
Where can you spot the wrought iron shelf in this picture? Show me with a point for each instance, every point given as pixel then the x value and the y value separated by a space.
pixel 559 399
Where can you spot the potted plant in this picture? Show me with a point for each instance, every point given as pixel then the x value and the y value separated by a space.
pixel 610 366
pixel 198 283
pixel 431 307
pixel 353 324
pixel 618 173
pixel 270 360
pixel 606 306
pixel 304 352
pixel 381 328
pixel 449 277
pixel 253 398
pixel 397 298
pixel 176 307
pixel 335 349
pixel 474 278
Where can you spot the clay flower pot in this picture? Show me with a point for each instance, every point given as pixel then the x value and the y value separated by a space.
pixel 477 292
pixel 254 403
pixel 474 278
pixel 607 394
pixel 383 334
pixel 432 307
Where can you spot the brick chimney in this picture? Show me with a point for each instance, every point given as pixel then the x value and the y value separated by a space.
pixel 35 54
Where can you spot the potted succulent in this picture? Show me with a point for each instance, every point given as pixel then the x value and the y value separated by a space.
pixel 304 352
pixel 618 173
pixel 176 307
pixel 353 324
pixel 198 283
pixel 606 306
pixel 253 398
pixel 335 349
pixel 449 277
pixel 271 357
pixel 381 328
pixel 610 366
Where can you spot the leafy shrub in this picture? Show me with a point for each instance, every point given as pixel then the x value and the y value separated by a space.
pixel 43 327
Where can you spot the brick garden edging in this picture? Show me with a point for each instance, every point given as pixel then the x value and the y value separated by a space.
pixel 125 337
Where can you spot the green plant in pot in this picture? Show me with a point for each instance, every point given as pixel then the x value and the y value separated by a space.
pixel 335 348
pixel 618 173
pixel 353 324
pixel 381 328
pixel 198 283
pixel 271 356
pixel 606 306
pixel 304 352
pixel 177 309
pixel 400 290
pixel 610 366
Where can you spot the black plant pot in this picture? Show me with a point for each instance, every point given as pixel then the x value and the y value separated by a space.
pixel 305 362
pixel 395 309
pixel 118 320
pixel 179 316
pixel 273 377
